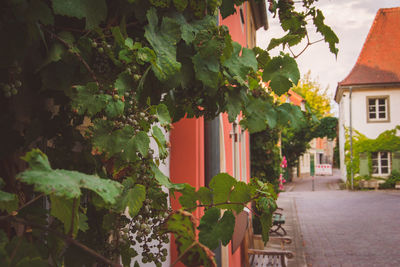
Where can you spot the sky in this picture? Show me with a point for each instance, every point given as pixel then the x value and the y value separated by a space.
pixel 351 21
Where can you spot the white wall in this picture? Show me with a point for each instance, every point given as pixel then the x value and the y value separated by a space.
pixel 359 108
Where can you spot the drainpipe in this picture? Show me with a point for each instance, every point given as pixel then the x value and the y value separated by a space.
pixel 351 140
pixel 212 162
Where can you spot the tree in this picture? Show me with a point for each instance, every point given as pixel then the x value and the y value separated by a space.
pixel 86 86
pixel 318 121
pixel 316 98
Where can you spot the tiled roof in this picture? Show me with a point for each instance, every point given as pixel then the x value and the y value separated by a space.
pixel 379 60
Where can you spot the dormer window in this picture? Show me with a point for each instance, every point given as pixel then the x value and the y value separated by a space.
pixel 378 109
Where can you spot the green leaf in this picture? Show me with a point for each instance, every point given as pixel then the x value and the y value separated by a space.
pixel 37 160
pixel 115 108
pixel 213 229
pixel 190 30
pixel 138 143
pixel 266 224
pixel 188 198
pixel 129 43
pixel 255 114
pixel 163 40
pixel 206 70
pixel 124 83
pixel 329 35
pixel 109 140
pixel 205 195
pixel 8 201
pixel 163 115
pixel 83 225
pixel 39 11
pixel 159 137
pixel 282 72
pixel 240 194
pixel 94 11
pixel 134 199
pixel 127 254
pixel 64 183
pixel 55 54
pixel 182 225
pixel 234 104
pixel 119 38
pixel 87 100
pixel 227 8
pixel 164 180
pixel 142 142
pixel 289 39
pixel 222 185
pixel 63 209
pixel 180 5
pixel 262 57
pixel 241 63
pixel 146 54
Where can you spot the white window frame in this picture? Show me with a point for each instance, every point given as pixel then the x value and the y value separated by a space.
pixel 377 160
pixel 374 109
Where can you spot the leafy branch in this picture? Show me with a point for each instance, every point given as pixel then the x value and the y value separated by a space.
pixel 74 52
pixel 68 240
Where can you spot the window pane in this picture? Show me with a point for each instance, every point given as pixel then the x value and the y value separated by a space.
pixel 371 101
pixel 372 115
pixel 385 170
pixel 382 115
pixel 385 163
pixel 372 109
pixel 375 169
pixel 374 155
pixel 384 155
pixel 382 108
pixel 381 101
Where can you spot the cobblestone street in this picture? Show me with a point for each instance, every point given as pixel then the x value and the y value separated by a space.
pixel 340 227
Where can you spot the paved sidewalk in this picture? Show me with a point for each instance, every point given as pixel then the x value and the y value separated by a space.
pixel 332 227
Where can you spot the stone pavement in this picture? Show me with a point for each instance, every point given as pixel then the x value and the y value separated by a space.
pixel 332 227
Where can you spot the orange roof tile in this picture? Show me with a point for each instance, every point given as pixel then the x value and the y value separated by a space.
pixel 379 60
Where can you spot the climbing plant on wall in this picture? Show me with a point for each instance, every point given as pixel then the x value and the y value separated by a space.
pixel 387 141
pixel 86 85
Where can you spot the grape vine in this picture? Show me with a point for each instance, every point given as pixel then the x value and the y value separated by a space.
pixel 87 85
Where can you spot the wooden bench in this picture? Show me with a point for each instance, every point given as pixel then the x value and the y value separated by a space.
pixel 278 219
pixel 259 256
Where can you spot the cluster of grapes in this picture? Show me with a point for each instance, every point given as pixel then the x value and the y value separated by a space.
pixel 134 115
pixel 145 231
pixel 102 63
pixel 145 228
pixel 11 88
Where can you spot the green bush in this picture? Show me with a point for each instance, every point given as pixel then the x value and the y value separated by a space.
pixel 391 181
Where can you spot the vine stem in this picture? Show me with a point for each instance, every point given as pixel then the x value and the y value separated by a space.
pixel 227 203
pixel 183 253
pixel 309 43
pixel 80 58
pixel 22 206
pixel 71 230
pixel 69 240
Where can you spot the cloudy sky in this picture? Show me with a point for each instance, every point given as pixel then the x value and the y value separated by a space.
pixel 351 21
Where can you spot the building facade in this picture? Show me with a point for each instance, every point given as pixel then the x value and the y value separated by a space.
pixel 201 149
pixel 369 97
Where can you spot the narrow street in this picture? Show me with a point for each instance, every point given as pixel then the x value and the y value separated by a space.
pixel 332 227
